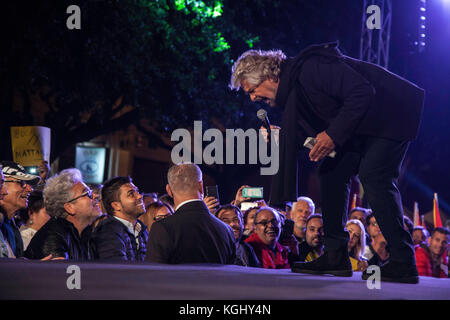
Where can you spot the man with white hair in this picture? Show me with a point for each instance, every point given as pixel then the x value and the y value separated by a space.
pixel 72 206
pixel 364 113
pixel 300 212
pixel 192 234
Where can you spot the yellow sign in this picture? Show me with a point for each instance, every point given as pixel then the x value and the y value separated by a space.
pixel 30 145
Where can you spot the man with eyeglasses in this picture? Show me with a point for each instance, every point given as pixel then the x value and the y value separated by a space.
pixel 232 216
pixel 72 206
pixel 264 240
pixel 121 236
pixel 17 187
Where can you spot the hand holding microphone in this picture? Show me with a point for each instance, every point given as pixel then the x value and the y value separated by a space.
pixel 266 127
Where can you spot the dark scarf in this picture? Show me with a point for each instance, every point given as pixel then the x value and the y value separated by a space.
pixel 290 93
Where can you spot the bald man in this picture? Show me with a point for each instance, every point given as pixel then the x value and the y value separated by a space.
pixel 192 234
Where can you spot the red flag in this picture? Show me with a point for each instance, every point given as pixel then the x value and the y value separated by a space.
pixel 436 216
pixel 353 206
pixel 416 215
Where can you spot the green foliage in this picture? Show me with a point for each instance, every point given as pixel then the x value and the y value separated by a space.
pixel 169 58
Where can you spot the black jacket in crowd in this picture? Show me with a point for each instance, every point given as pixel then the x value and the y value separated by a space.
pixel 111 240
pixel 250 259
pixel 58 237
pixel 323 90
pixel 191 235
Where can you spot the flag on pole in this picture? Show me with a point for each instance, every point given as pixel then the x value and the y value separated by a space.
pixel 416 214
pixel 436 216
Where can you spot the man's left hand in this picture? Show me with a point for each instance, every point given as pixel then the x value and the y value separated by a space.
pixel 324 145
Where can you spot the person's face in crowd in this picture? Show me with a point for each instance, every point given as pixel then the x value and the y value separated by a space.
pixel 251 219
pixel 288 209
pixel 131 201
pixel 3 191
pixel 354 233
pixel 17 195
pixel 147 200
pixel 265 92
pixel 358 215
pixel 301 214
pixel 314 233
pixel 418 237
pixel 268 227
pixel 231 218
pixel 84 205
pixel 162 213
pixel 39 219
pixel 373 228
pixel 438 243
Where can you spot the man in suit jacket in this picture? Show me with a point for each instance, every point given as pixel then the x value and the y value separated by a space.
pixel 364 112
pixel 120 235
pixel 192 234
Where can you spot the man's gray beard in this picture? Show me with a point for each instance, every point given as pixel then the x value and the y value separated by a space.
pixel 300 227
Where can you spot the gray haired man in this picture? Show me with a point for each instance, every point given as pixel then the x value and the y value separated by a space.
pixel 72 206
pixel 366 114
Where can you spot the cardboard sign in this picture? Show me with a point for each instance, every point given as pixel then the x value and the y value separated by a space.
pixel 30 145
pixel 91 162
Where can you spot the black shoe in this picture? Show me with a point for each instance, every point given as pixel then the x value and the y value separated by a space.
pixel 334 262
pixel 394 271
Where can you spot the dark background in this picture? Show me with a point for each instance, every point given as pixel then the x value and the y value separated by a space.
pixel 171 65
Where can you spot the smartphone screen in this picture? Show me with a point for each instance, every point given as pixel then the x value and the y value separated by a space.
pixel 253 193
pixel 212 191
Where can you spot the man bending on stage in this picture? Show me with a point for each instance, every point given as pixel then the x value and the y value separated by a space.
pixel 364 113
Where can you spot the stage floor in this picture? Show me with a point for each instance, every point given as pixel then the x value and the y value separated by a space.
pixel 21 279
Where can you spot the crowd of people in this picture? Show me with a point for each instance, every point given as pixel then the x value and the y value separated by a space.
pixel 61 217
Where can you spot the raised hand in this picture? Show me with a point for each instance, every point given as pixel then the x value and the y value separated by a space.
pixel 212 203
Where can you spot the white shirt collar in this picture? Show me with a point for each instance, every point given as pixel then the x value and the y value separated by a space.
pixel 127 224
pixel 187 201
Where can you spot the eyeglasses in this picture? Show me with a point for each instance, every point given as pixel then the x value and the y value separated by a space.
pixel 157 218
pixel 265 223
pixel 88 193
pixel 374 224
pixel 20 182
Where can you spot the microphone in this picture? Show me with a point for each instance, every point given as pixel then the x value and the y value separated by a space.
pixel 262 115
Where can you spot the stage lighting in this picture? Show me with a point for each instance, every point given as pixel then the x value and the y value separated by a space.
pixel 420 42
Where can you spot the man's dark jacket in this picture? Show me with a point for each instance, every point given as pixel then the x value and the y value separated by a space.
pixel 111 240
pixel 191 235
pixel 58 237
pixel 250 259
pixel 322 89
